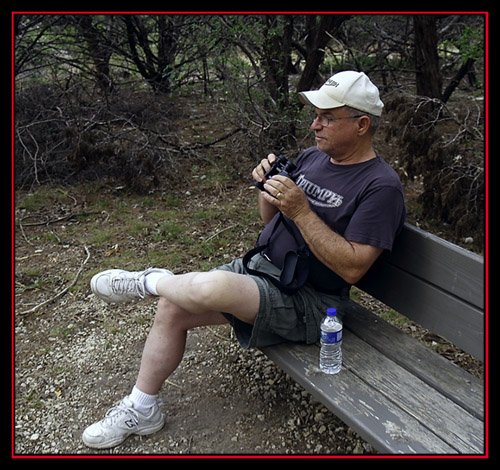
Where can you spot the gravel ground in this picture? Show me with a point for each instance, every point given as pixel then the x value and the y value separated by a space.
pixel 80 356
pixel 76 357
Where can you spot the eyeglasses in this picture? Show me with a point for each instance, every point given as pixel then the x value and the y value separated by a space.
pixel 325 121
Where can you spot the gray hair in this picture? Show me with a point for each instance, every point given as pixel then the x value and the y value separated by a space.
pixel 374 120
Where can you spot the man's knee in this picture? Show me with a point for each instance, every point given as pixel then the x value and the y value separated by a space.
pixel 168 314
pixel 207 287
pixel 172 317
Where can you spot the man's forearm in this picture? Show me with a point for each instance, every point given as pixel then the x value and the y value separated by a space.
pixel 341 256
pixel 349 259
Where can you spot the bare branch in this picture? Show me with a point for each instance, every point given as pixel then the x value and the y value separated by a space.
pixel 62 292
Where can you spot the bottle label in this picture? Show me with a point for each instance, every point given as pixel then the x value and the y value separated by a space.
pixel 330 338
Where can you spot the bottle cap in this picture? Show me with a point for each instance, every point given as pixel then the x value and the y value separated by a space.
pixel 331 312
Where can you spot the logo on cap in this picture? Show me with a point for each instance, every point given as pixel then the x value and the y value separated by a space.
pixel 332 82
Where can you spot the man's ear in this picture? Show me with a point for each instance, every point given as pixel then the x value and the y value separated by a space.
pixel 364 123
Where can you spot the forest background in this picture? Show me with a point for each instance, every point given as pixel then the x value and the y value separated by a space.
pixel 107 97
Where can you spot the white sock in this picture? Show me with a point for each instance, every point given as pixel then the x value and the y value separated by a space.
pixel 142 401
pixel 151 280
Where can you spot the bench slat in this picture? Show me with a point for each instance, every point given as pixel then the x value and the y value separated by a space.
pixel 445 418
pixel 448 266
pixel 381 401
pixel 435 370
pixel 375 418
pixel 431 307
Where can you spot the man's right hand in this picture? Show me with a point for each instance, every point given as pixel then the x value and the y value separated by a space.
pixel 264 166
pixel 267 211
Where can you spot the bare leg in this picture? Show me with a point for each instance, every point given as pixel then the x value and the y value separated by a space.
pixel 219 291
pixel 188 301
pixel 166 343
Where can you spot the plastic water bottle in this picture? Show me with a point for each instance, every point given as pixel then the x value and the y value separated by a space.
pixel 330 354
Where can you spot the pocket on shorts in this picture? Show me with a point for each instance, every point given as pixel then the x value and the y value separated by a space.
pixel 314 305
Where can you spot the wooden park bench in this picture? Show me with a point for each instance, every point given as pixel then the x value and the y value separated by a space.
pixel 395 392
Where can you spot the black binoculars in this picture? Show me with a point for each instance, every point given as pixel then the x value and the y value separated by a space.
pixel 280 167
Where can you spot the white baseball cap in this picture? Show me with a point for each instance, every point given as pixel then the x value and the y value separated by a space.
pixel 347 88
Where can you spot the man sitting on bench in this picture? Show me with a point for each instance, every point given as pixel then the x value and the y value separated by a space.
pixel 327 222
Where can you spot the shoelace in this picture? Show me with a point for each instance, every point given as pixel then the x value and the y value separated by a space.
pixel 115 413
pixel 124 285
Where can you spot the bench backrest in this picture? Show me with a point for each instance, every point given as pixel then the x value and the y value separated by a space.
pixel 435 283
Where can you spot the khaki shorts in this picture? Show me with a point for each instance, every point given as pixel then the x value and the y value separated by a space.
pixel 281 317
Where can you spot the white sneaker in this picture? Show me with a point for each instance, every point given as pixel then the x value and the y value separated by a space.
pixel 120 422
pixel 117 285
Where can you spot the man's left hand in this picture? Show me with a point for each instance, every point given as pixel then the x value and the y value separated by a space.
pixel 284 194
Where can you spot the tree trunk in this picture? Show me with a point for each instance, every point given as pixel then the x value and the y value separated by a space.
pixel 428 75
pixel 98 50
pixel 319 35
pixel 276 57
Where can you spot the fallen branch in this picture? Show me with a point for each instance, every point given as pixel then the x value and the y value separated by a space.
pixel 220 139
pixel 54 221
pixel 219 232
pixel 62 292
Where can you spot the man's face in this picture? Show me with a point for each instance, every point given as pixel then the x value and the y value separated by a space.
pixel 335 131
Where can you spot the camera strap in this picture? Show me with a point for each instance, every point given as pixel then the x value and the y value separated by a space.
pixel 295 269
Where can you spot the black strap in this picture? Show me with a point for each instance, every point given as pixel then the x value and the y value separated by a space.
pixel 295 269
pixel 299 267
pixel 293 275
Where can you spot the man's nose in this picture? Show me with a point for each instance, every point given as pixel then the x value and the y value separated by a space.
pixel 315 125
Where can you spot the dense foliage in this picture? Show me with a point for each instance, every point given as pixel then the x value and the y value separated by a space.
pixel 116 96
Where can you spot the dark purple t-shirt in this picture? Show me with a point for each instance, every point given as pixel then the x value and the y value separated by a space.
pixel 363 202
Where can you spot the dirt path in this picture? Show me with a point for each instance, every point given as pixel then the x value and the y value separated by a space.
pixel 76 357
